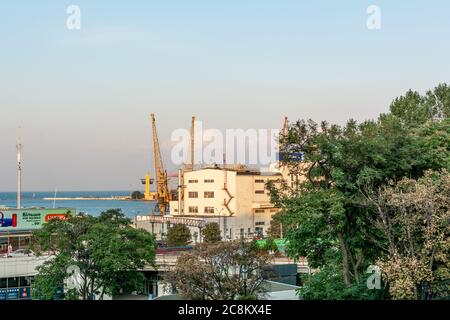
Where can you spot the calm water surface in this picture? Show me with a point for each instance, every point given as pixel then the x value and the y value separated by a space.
pixel 92 207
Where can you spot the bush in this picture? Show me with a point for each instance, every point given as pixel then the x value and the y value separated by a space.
pixel 211 233
pixel 136 195
pixel 328 284
pixel 178 235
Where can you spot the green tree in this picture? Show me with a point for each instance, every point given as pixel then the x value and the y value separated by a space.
pixel 178 235
pixel 326 217
pixel 105 251
pixel 137 195
pixel 211 233
pixel 275 227
pixel 328 284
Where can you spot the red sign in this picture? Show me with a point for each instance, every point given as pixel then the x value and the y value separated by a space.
pixel 48 217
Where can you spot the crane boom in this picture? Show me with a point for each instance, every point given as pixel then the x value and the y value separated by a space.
pixel 162 190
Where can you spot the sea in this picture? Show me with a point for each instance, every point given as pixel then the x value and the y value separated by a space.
pixel 130 208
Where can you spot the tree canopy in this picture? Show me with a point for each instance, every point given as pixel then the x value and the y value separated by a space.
pixel 327 216
pixel 211 233
pixel 178 235
pixel 101 254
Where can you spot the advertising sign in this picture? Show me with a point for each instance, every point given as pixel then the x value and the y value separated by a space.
pixel 30 219
pixel 25 293
pixel 15 294
pixel 9 294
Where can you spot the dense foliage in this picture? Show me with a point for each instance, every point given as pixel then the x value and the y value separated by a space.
pixel 211 233
pixel 93 256
pixel 327 216
pixel 414 217
pixel 178 235
pixel 137 195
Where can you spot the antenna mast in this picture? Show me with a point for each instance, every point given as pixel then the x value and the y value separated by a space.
pixel 19 171
pixel 192 143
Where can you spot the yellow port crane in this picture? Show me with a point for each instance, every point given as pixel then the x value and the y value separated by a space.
pixel 161 185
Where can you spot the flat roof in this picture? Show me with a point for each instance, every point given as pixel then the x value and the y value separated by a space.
pixel 239 171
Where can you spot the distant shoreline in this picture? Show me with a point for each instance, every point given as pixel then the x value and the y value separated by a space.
pixel 88 198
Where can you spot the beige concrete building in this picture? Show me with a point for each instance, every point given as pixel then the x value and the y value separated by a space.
pixel 236 198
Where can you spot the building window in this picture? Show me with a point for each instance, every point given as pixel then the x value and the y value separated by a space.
pixel 25 281
pixel 259 223
pixel 209 194
pixel 193 194
pixel 209 209
pixel 193 209
pixel 259 231
pixel 193 181
pixel 259 181
pixel 273 210
pixel 208 181
pixel 13 282
pixel 259 191
pixel 260 210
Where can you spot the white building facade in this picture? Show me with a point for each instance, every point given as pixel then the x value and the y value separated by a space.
pixel 236 199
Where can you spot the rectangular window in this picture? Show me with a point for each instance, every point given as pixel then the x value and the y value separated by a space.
pixel 3 283
pixel 193 194
pixel 24 281
pixel 193 181
pixel 259 211
pixel 273 210
pixel 13 282
pixel 259 181
pixel 259 223
pixel 208 181
pixel 209 209
pixel 259 191
pixel 193 209
pixel 259 231
pixel 209 194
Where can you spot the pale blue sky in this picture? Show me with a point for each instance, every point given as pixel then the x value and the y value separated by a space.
pixel 84 97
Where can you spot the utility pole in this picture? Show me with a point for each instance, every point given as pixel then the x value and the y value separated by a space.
pixel 19 171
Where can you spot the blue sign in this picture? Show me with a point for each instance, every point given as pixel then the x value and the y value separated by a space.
pixel 9 294
pixel 291 156
pixel 15 294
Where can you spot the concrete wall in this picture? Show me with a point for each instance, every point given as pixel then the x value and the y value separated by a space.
pixel 201 187
pixel 245 205
pixel 20 266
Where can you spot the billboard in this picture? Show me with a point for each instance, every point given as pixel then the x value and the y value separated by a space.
pixel 30 219
pixel 15 294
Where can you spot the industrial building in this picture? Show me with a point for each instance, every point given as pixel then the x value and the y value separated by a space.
pixel 237 196
pixel 234 196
